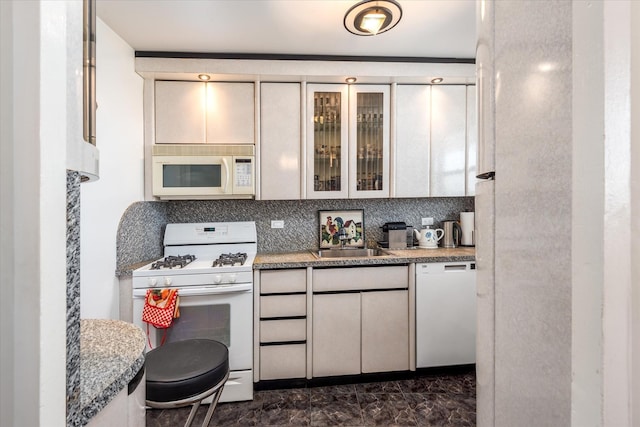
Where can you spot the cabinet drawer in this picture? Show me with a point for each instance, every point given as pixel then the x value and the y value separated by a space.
pixel 283 330
pixel 360 278
pixel 283 361
pixel 283 305
pixel 283 281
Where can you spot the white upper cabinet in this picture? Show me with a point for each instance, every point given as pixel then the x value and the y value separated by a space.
pixel 333 141
pixel 413 136
pixel 230 113
pixel 472 140
pixel 347 141
pixel 448 140
pixel 197 112
pixel 280 142
pixel 180 112
pixel 435 141
pixel 327 141
pixel 369 141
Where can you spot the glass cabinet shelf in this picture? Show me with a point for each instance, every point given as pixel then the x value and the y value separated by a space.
pixel 348 141
pixel 327 138
pixel 369 141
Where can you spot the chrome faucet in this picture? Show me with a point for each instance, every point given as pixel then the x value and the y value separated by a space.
pixel 342 235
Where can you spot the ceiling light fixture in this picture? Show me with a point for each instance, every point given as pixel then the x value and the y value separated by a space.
pixel 371 17
pixel 437 80
pixel 350 80
pixel 204 77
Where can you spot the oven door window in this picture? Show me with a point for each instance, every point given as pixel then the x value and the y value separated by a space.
pixel 191 176
pixel 210 322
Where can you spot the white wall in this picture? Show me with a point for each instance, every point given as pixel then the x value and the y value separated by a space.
pixel 635 212
pixel 7 219
pixel 605 196
pixel 588 214
pixel 120 141
pixel 617 261
pixel 36 71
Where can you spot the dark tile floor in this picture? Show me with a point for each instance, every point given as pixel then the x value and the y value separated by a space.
pixel 429 400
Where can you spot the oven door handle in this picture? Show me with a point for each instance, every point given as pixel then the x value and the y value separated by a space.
pixel 204 290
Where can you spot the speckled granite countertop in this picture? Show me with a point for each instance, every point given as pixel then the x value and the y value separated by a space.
pixel 275 260
pixel 111 354
pixel 266 261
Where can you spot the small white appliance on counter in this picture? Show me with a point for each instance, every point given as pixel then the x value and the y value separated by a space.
pixel 211 266
pixel 203 171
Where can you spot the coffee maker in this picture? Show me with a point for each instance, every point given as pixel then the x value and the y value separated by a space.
pixel 395 235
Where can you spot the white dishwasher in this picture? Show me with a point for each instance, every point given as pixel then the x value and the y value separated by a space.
pixel 445 314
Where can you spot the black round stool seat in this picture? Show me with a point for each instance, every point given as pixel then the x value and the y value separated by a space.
pixel 182 369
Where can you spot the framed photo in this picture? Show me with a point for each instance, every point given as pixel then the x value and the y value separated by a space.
pixel 348 223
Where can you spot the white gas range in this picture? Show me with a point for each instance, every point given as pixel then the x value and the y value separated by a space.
pixel 211 265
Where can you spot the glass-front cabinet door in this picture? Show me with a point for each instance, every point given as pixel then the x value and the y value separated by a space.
pixel 327 141
pixel 347 141
pixel 369 141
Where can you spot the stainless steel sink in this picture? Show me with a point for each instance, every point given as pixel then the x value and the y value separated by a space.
pixel 349 253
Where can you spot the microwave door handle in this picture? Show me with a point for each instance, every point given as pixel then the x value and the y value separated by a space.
pixel 226 170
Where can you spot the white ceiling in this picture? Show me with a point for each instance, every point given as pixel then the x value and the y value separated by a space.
pixel 428 28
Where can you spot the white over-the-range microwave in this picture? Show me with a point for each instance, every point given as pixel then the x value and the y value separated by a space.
pixel 203 171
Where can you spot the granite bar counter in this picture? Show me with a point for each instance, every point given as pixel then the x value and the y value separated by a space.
pixel 111 354
pixel 280 260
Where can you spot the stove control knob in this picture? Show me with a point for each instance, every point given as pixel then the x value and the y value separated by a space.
pixel 232 278
pixel 167 281
pixel 217 278
pixel 153 282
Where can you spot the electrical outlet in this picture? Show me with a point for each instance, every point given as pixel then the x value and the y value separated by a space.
pixel 277 223
pixel 427 221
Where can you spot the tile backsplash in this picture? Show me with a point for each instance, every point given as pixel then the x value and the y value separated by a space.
pixel 146 220
pixel 140 233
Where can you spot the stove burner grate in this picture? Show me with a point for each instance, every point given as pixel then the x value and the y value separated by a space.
pixel 230 259
pixel 171 261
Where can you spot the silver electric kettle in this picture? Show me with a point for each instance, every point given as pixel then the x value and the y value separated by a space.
pixel 452 234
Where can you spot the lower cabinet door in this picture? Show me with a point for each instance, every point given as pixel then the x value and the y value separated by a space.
pixel 336 334
pixel 283 361
pixel 385 331
pixel 114 414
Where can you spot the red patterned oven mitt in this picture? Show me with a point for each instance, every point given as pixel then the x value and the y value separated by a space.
pixel 160 308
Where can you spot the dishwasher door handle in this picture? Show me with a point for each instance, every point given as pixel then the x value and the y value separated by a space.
pixel 455 267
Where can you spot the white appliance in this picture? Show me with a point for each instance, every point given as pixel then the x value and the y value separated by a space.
pixel 203 171
pixel 445 314
pixel 211 266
